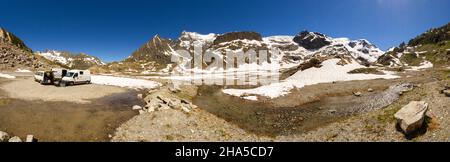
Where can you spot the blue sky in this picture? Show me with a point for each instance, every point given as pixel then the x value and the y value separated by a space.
pixel 113 29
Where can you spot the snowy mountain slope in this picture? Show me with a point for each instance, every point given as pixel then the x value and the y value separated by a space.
pixel 324 45
pixel 74 61
pixel 155 55
pixel 329 72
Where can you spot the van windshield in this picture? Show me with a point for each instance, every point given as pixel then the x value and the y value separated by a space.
pixel 70 74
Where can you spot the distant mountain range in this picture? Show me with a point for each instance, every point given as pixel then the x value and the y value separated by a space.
pixel 69 60
pixel 155 55
pixel 15 54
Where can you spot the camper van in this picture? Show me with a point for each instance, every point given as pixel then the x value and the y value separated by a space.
pixel 53 76
pixel 59 74
pixel 39 76
pixel 76 77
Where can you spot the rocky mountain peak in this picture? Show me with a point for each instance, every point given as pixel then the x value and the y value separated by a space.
pixel 312 40
pixel 9 38
pixel 228 37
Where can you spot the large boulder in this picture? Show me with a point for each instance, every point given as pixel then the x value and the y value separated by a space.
pixel 30 138
pixel 412 116
pixel 4 137
pixel 15 139
pixel 447 93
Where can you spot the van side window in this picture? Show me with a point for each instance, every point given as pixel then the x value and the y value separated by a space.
pixel 81 72
pixel 76 75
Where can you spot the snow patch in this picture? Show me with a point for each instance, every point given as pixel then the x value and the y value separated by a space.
pixel 423 65
pixel 23 71
pixel 329 72
pixel 7 76
pixel 124 82
pixel 253 98
pixel 54 56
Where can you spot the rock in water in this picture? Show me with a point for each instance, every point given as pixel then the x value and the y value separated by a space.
pixel 15 139
pixel 447 93
pixel 411 117
pixel 140 96
pixel 358 94
pixel 174 90
pixel 4 137
pixel 137 107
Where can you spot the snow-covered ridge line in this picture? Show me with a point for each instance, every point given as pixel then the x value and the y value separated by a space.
pixel 66 59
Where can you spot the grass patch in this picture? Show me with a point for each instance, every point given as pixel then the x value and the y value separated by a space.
pixel 170 138
pixel 387 116
pixel 436 53
pixel 5 101
pixel 411 59
pixel 446 74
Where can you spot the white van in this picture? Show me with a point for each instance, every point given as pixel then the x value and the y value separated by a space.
pixel 39 76
pixel 76 77
pixel 59 74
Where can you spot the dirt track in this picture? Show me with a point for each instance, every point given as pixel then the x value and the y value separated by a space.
pixel 73 114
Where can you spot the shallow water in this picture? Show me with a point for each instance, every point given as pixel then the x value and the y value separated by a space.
pixel 263 119
pixel 67 121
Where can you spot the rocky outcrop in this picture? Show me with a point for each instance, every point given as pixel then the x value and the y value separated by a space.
pixel 446 90
pixel 228 37
pixel 447 93
pixel 15 54
pixel 15 139
pixel 156 50
pixel 164 99
pixel 411 117
pixel 12 57
pixel 9 38
pixel 4 137
pixel 311 40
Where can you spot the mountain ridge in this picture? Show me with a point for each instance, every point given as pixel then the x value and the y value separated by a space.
pixel 156 52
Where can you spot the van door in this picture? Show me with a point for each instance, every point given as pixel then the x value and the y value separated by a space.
pixel 82 76
pixel 64 72
pixel 76 78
